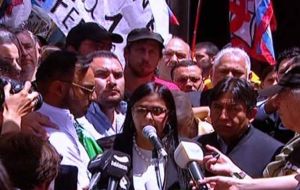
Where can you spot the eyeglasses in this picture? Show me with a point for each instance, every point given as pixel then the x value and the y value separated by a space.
pixel 88 90
pixel 155 111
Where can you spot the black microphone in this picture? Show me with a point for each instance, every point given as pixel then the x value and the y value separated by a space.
pixel 113 165
pixel 150 133
pixel 186 156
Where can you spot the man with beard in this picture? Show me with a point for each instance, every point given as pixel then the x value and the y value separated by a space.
pixel 142 54
pixel 106 112
pixel 204 55
pixel 67 84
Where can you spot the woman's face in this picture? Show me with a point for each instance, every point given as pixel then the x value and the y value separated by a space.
pixel 150 110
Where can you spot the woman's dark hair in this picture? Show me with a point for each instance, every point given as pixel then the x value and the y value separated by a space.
pixel 5 183
pixel 240 89
pixel 170 139
pixel 145 90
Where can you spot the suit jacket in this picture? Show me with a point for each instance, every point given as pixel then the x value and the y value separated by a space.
pixel 251 153
pixel 172 173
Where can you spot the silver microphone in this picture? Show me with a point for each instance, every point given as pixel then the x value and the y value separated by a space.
pixel 150 132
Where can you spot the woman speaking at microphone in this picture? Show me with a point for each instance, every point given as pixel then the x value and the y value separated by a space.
pixel 151 105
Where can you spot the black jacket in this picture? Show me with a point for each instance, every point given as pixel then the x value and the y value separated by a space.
pixel 175 177
pixel 251 153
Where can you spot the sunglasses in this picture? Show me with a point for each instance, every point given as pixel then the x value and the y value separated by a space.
pixel 155 111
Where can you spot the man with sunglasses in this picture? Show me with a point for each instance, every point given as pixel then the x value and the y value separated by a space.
pixel 67 84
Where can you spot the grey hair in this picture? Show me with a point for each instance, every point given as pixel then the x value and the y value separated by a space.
pixel 234 52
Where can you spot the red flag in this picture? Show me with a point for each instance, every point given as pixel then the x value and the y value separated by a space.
pixel 250 29
pixel 173 19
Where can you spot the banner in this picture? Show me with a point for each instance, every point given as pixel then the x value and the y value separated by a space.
pixel 250 28
pixel 118 16
pixel 14 13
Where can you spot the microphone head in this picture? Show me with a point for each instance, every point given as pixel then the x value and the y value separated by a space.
pixel 187 152
pixel 111 163
pixel 149 131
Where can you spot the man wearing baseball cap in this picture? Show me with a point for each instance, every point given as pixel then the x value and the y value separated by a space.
pixel 287 98
pixel 142 53
pixel 88 37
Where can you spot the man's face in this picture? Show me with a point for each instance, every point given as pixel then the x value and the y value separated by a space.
pixel 203 59
pixel 175 51
pixel 89 46
pixel 229 66
pixel 109 78
pixel 188 78
pixel 229 117
pixel 29 55
pixel 289 110
pixel 81 92
pixel 10 54
pixel 142 57
pixel 270 80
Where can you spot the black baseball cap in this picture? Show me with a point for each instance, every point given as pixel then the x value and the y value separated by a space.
pixel 90 31
pixel 144 34
pixel 290 79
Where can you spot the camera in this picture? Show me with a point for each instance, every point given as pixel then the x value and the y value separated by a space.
pixel 16 87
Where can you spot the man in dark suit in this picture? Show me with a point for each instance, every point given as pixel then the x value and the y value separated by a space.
pixel 232 103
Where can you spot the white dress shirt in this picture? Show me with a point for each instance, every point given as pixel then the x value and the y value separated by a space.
pixel 65 141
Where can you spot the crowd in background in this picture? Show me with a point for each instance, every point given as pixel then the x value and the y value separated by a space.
pixel 64 106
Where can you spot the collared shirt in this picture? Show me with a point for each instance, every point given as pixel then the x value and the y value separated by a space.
pixel 224 147
pixel 65 141
pixel 101 122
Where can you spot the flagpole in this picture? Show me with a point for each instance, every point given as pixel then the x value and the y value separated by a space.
pixel 195 28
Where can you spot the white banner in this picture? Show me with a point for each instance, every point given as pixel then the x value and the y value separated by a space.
pixel 118 16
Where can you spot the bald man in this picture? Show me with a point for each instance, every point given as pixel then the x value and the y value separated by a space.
pixel 176 50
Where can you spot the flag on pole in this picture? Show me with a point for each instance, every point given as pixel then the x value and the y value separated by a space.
pixel 250 28
pixel 172 17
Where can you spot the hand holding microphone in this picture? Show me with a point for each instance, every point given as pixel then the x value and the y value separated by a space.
pixel 186 156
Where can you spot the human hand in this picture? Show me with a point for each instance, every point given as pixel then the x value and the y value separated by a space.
pixel 218 163
pixel 15 106
pixel 21 103
pixel 35 123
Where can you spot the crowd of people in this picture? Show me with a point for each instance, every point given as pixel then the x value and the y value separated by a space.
pixel 65 106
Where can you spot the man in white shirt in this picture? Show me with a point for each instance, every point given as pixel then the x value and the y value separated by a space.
pixel 67 85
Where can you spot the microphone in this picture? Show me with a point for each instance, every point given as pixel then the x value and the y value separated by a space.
pixel 113 165
pixel 150 132
pixel 186 156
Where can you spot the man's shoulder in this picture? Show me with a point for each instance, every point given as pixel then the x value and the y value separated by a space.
pixel 259 136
